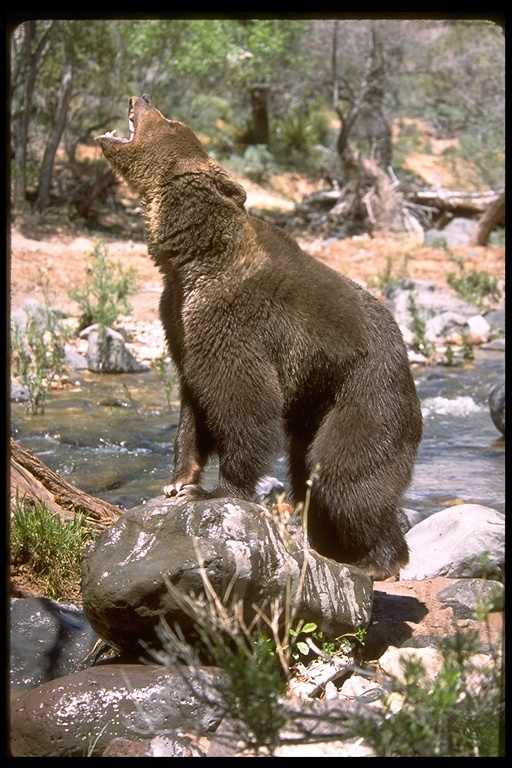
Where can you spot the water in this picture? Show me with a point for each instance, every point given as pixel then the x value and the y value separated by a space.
pixel 462 454
pixel 112 436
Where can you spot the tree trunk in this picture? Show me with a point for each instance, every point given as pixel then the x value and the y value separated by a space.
pixel 24 79
pixel 365 118
pixel 376 128
pixel 493 217
pixel 33 482
pixel 260 122
pixel 63 99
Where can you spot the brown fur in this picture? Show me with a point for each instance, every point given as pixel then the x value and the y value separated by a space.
pixel 275 351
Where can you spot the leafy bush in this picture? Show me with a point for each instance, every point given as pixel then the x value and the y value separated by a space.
pixel 420 342
pixel 296 132
pixel 105 296
pixel 37 350
pixel 258 162
pixel 476 287
pixel 458 714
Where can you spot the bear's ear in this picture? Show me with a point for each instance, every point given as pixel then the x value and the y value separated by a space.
pixel 228 186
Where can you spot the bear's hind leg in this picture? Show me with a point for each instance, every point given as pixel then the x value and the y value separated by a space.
pixel 358 482
pixel 368 537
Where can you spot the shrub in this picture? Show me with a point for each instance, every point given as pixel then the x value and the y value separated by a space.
pixel 479 288
pixel 105 296
pixel 458 714
pixel 37 348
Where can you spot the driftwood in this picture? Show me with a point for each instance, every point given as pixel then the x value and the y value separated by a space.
pixel 33 482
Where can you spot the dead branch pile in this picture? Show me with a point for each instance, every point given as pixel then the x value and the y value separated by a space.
pixel 372 200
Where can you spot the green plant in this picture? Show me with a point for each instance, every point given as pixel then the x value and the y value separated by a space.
pixel 258 162
pixel 388 279
pixel 166 374
pixel 255 687
pixel 105 296
pixel 409 138
pixel 317 644
pixel 53 547
pixel 37 349
pixel 92 741
pixel 420 342
pixel 296 132
pixel 251 656
pixel 301 646
pixel 488 570
pixel 442 242
pixel 449 355
pixel 460 713
pixel 479 288
pixel 467 347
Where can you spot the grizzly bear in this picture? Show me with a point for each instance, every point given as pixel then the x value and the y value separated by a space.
pixel 274 351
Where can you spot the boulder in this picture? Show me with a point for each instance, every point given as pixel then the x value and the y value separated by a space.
pixel 47 640
pixel 464 541
pixel 429 303
pixel 497 406
pixel 114 358
pixel 466 596
pixel 239 547
pixel 79 715
pixel 458 231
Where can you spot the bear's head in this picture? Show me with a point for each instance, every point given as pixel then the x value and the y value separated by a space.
pixel 159 149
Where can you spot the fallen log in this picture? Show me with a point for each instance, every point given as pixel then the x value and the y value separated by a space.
pixel 33 482
pixel 467 205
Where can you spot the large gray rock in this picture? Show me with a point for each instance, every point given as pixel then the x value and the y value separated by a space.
pixel 242 546
pixel 496 319
pixel 114 358
pixel 78 715
pixel 36 312
pixel 465 596
pixel 464 541
pixel 47 640
pixel 458 231
pixel 497 406
pixel 429 303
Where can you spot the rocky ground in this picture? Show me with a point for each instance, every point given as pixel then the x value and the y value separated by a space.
pixel 53 251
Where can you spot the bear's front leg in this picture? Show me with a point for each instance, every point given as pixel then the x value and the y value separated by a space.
pixel 245 430
pixel 192 447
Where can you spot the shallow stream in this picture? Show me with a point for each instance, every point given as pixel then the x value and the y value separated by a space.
pixel 112 436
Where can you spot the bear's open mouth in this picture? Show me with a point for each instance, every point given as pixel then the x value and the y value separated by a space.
pixel 131 128
pixel 131 121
